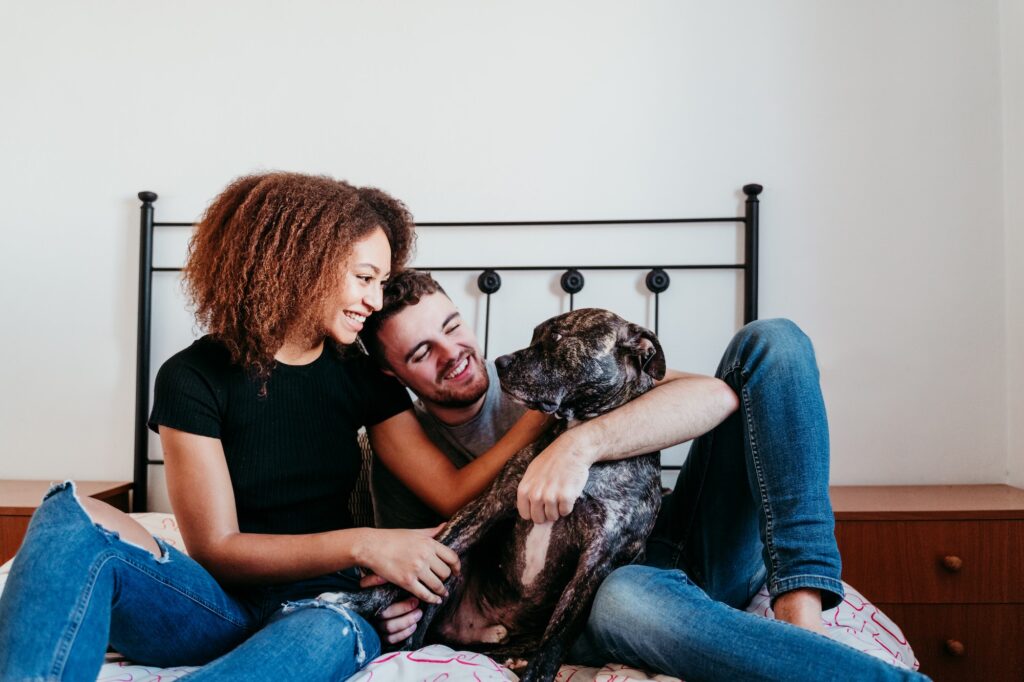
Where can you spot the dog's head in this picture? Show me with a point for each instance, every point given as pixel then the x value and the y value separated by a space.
pixel 582 364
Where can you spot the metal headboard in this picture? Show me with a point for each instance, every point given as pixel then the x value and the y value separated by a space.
pixel 489 282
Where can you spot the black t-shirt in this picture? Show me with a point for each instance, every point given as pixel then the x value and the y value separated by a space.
pixel 292 453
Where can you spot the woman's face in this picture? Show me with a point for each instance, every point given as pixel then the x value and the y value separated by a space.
pixel 360 291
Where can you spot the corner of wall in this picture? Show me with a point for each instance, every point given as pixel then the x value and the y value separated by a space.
pixel 1011 35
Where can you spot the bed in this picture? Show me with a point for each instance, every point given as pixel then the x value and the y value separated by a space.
pixel 855 622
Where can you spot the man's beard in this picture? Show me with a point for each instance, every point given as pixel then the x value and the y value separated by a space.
pixel 463 396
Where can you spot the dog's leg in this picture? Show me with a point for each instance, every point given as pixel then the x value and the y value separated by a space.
pixel 463 531
pixel 367 603
pixel 570 613
pixel 497 502
pixel 455 585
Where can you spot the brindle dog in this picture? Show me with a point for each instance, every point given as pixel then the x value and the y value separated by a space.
pixel 525 589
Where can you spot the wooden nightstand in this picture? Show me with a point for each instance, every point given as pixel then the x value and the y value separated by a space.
pixel 19 499
pixel 946 563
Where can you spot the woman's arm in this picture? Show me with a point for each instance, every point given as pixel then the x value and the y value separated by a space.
pixel 203 500
pixel 409 454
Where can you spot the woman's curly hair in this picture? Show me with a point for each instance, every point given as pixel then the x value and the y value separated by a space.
pixel 268 254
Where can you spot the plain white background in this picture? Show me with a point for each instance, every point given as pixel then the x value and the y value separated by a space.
pixel 888 137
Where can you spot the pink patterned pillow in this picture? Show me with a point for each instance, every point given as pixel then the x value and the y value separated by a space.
pixel 163 526
pixel 434 662
pixel 858 623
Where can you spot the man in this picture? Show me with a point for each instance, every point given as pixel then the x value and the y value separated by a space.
pixel 750 505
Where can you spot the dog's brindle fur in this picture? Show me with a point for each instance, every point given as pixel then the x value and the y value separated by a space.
pixel 525 589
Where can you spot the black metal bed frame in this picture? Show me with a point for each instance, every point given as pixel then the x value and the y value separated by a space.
pixel 489 282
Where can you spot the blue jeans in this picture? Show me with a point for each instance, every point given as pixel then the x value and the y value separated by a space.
pixel 74 587
pixel 750 506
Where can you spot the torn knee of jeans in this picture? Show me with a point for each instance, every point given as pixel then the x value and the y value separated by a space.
pixel 114 536
pixel 165 551
pixel 350 627
pixel 59 488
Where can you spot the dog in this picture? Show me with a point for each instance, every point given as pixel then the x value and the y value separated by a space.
pixel 525 589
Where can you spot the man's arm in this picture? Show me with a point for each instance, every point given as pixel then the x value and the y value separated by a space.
pixel 681 407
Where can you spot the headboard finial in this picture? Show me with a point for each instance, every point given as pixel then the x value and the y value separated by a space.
pixel 752 190
pixel 572 281
pixel 489 282
pixel 657 281
pixel 148 197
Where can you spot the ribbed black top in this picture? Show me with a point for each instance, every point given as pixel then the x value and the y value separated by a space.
pixel 292 453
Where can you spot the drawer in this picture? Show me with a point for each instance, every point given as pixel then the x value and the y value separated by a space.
pixel 12 531
pixel 964 642
pixel 932 562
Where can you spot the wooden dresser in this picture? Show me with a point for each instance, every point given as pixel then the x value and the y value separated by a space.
pixel 946 563
pixel 19 499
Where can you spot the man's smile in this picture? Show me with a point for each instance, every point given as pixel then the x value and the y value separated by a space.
pixel 460 371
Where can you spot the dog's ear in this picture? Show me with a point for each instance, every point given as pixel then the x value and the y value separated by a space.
pixel 642 344
pixel 537 331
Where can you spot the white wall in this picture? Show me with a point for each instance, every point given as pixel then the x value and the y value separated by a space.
pixel 875 128
pixel 1011 20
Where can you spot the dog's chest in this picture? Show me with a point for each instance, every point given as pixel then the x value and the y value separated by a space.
pixel 540 556
pixel 617 508
pixel 535 552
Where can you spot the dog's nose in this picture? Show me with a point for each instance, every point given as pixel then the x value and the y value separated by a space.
pixel 502 361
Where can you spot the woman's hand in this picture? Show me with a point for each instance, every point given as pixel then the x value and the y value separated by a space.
pixel 410 559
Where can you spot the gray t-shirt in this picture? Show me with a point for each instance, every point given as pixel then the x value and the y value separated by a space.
pixel 394 505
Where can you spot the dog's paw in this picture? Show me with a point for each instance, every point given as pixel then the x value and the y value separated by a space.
pixel 367 603
pixel 543 666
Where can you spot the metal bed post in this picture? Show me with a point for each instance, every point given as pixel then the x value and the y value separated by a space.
pixel 488 282
pixel 140 491
pixel 572 283
pixel 750 221
pixel 657 282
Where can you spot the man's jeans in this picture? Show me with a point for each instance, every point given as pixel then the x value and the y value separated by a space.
pixel 75 586
pixel 751 505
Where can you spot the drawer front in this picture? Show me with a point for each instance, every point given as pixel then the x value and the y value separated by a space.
pixel 963 643
pixel 930 562
pixel 12 531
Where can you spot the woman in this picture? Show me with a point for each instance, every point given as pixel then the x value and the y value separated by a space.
pixel 258 424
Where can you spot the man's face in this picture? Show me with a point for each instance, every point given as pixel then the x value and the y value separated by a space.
pixel 433 352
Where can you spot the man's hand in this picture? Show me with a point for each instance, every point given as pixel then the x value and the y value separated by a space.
pixel 553 481
pixel 679 408
pixel 398 621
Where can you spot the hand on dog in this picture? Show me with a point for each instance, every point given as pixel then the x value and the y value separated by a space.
pixel 411 559
pixel 398 621
pixel 553 482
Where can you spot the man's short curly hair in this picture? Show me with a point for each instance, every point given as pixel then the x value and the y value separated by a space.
pixel 269 253
pixel 402 290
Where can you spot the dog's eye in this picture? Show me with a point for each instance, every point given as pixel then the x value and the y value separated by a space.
pixel 555 336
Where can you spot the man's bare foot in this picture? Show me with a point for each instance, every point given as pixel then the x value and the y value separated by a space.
pixel 516 665
pixel 801 608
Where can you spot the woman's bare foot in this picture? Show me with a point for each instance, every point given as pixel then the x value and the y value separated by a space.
pixel 801 608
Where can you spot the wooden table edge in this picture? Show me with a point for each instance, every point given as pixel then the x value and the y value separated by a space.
pixel 112 489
